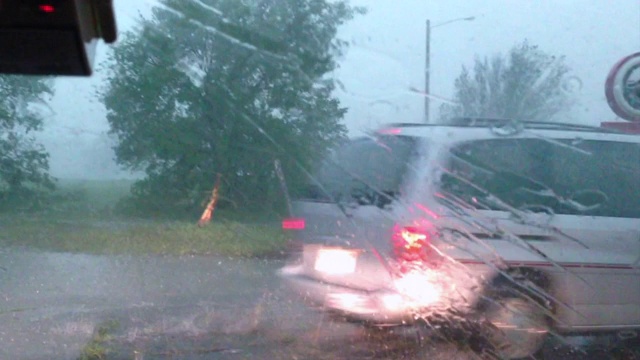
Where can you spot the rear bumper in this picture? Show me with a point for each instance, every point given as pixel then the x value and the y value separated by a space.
pixel 383 307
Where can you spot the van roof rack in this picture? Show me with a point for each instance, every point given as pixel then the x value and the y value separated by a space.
pixel 489 122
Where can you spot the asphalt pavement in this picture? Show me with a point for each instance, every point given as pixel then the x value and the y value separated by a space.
pixel 65 306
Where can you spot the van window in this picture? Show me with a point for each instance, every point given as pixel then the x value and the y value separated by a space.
pixel 365 171
pixel 580 177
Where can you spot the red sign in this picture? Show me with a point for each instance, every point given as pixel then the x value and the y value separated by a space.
pixel 622 88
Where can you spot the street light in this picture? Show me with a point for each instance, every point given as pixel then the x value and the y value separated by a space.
pixel 427 68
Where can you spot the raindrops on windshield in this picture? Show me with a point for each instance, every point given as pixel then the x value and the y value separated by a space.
pixel 315 179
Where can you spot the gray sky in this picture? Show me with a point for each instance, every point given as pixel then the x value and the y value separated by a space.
pixel 386 59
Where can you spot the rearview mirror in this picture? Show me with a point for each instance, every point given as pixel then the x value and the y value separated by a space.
pixel 53 37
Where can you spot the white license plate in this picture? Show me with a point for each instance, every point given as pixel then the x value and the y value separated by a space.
pixel 336 261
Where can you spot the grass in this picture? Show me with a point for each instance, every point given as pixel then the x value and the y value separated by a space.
pixel 96 348
pixel 176 238
pixel 88 226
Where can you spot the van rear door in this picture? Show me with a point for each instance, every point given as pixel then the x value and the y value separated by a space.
pixel 352 199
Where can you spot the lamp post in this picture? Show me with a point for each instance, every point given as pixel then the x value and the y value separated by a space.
pixel 427 68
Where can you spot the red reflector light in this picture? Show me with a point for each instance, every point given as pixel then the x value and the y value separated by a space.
pixel 293 224
pixel 47 8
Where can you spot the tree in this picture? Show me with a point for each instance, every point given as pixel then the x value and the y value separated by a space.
pixel 24 164
pixel 527 84
pixel 225 87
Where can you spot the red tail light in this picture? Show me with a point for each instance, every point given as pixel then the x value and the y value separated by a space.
pixel 413 237
pixel 293 224
pixel 410 243
pixel 47 8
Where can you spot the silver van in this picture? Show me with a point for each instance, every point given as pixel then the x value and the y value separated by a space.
pixel 532 227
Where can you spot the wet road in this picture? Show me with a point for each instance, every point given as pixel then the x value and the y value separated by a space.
pixel 57 306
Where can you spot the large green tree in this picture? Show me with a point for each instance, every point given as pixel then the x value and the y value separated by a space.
pixel 226 86
pixel 527 84
pixel 24 164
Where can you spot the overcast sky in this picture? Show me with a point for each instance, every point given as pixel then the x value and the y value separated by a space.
pixel 386 59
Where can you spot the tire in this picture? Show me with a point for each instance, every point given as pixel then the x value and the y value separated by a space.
pixel 518 326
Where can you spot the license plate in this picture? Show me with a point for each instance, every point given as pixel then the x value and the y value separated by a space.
pixel 336 261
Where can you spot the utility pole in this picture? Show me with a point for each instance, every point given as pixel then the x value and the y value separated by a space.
pixel 427 63
pixel 427 70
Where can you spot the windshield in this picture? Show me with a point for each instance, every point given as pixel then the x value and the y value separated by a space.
pixel 327 179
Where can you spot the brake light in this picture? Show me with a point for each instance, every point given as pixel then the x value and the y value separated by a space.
pixel 410 243
pixel 293 224
pixel 413 238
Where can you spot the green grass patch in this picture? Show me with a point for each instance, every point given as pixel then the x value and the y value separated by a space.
pixel 97 348
pixel 118 237
pixel 82 220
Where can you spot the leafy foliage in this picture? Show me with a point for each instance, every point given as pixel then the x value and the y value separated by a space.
pixel 527 84
pixel 24 164
pixel 225 87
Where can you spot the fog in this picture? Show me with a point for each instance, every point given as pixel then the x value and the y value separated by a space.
pixel 385 61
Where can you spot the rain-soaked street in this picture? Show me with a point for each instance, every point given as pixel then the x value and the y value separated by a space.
pixel 53 306
pixel 57 306
pixel 471 164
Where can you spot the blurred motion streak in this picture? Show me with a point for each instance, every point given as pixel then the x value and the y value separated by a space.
pixel 427 211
